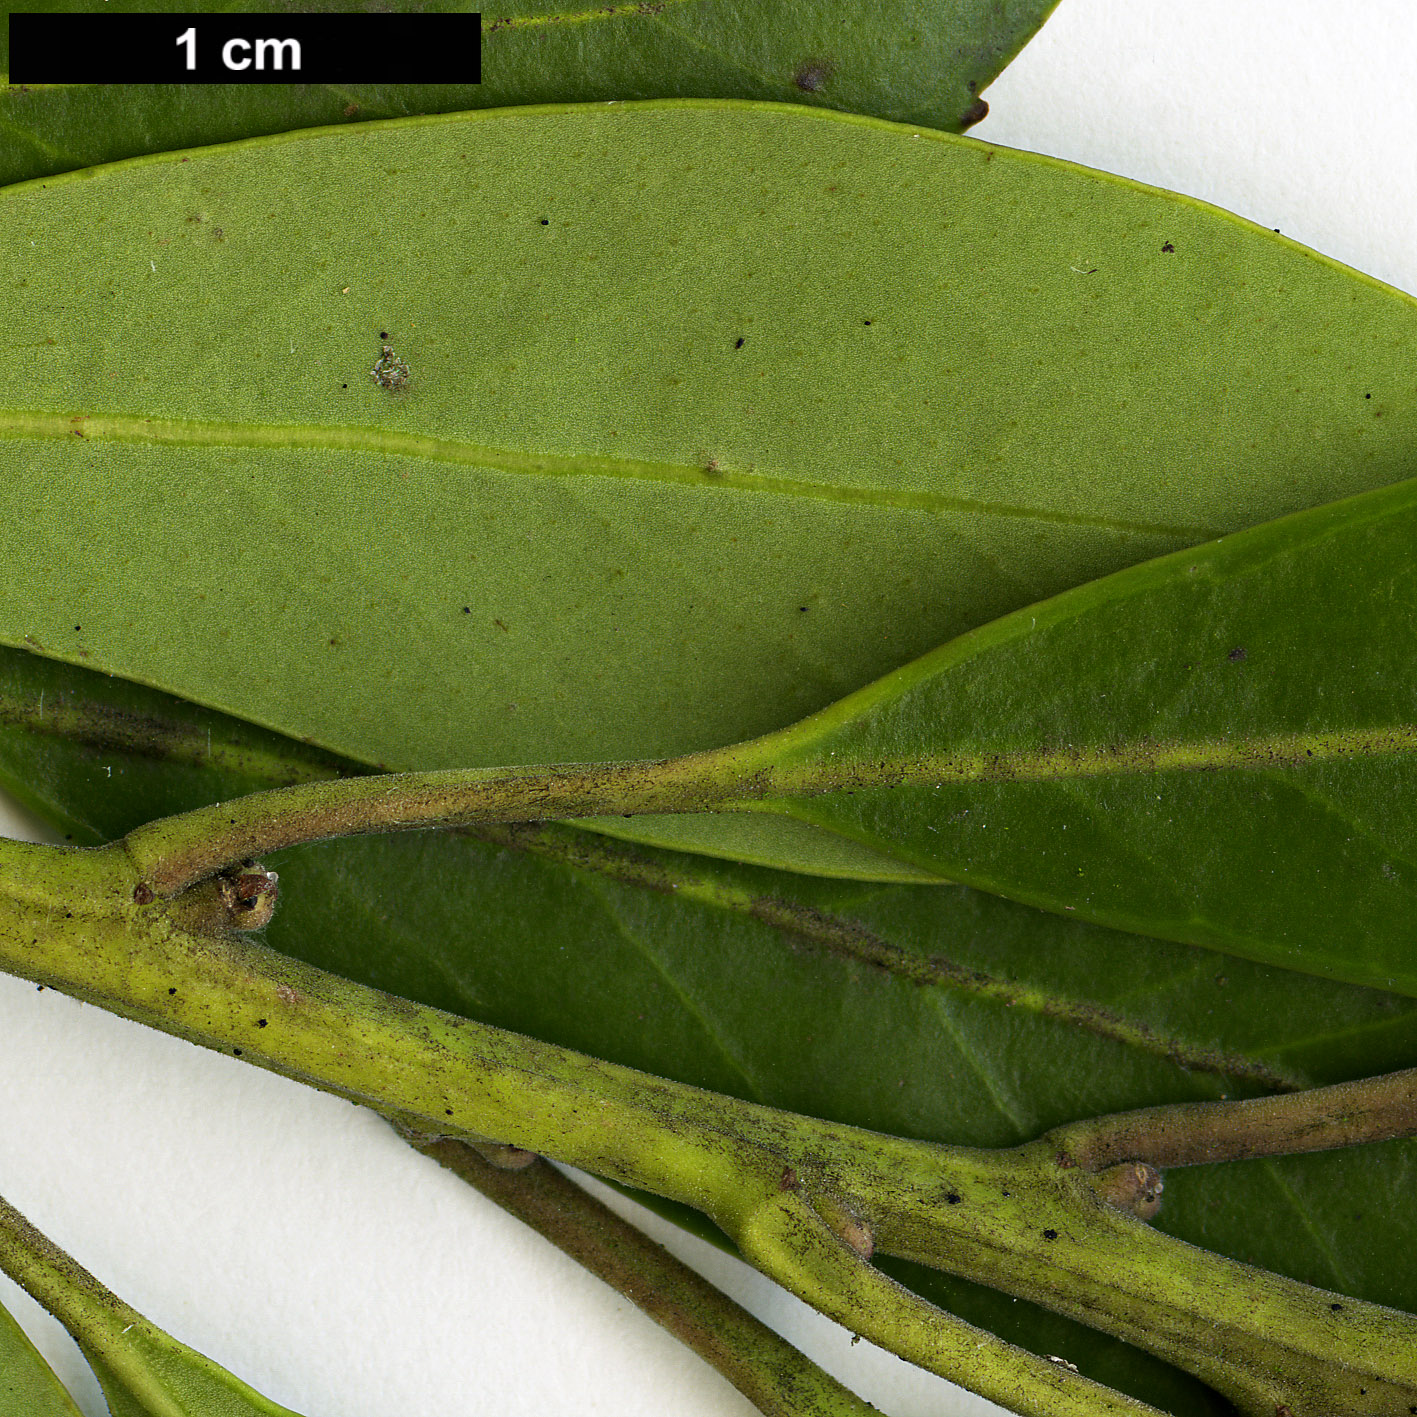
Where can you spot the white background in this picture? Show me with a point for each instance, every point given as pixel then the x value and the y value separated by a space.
pixel 291 1236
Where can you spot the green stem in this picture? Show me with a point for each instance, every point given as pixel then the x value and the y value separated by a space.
pixel 1016 1220
pixel 764 1367
pixel 1192 1133
pixel 174 853
pixel 139 1367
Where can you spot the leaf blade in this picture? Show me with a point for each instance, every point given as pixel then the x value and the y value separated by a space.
pixel 1225 758
pixel 900 59
pixel 143 1371
pixel 582 428
pixel 28 1385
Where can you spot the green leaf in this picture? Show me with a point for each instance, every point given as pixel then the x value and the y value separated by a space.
pixel 1225 753
pixel 28 1387
pixel 916 61
pixel 942 1013
pixel 143 1371
pixel 716 413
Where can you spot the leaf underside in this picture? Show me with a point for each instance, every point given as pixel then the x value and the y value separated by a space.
pixel 1225 752
pixel 915 61
pixel 28 1386
pixel 790 397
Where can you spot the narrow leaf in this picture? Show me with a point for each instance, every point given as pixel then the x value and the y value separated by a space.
pixel 715 413
pixel 28 1386
pixel 1218 747
pixel 916 61
pixel 142 1370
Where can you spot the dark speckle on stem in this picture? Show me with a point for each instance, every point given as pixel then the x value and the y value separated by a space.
pixel 811 77
pixel 1237 655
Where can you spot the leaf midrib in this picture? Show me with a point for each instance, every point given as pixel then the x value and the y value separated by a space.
pixel 634 10
pixel 191 432
pixel 855 768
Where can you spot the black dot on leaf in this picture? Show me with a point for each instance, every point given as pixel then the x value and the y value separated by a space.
pixel 260 1023
pixel 1050 1234
pixel 383 334
pixel 546 221
pixel 237 1052
pixel 738 343
pixel 173 990
pixel 1337 1308
pixel 447 1111
pixel 952 1198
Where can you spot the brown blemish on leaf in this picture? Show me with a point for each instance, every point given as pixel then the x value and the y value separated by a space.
pixel 142 894
pixel 976 112
pixel 812 75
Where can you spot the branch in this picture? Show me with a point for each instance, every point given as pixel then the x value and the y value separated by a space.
pixel 1194 1133
pixel 176 852
pixel 1014 1220
pixel 763 1366
pixel 139 1367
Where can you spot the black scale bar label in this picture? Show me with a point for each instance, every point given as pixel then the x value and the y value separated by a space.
pixel 245 49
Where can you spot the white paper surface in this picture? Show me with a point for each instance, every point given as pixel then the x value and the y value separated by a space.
pixel 292 1237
